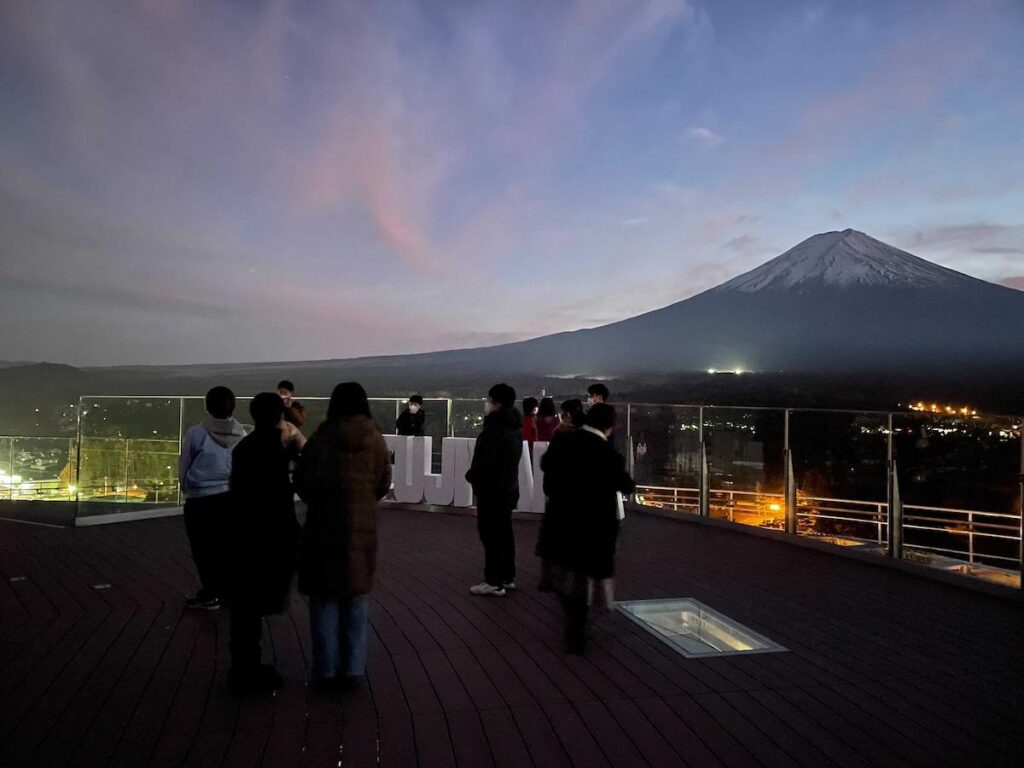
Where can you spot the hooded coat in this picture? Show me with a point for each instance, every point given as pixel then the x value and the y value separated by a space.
pixel 264 532
pixel 582 473
pixel 344 471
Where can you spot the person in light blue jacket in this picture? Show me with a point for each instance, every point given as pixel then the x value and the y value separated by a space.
pixel 204 471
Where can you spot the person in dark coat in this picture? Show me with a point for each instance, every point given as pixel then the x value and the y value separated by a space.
pixel 571 416
pixel 265 537
pixel 583 476
pixel 343 473
pixel 547 420
pixel 410 421
pixel 494 475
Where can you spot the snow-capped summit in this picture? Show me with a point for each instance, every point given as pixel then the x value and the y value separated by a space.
pixel 845 259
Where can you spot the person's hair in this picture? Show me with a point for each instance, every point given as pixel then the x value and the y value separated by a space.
pixel 266 410
pixel 601 416
pixel 599 390
pixel 547 407
pixel 348 399
pixel 529 403
pixel 503 395
pixel 220 402
pixel 418 399
pixel 574 408
pixel 285 384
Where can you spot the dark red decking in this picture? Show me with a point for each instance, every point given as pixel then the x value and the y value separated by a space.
pixel 884 668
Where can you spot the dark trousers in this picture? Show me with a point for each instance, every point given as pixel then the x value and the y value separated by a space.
pixel 206 523
pixel 576 610
pixel 246 637
pixel 494 523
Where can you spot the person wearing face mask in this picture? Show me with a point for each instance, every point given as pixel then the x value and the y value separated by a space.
pixel 494 475
pixel 410 422
pixel 583 476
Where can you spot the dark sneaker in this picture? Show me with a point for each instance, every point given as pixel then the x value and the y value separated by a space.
pixel 351 683
pixel 206 603
pixel 262 679
pixel 325 685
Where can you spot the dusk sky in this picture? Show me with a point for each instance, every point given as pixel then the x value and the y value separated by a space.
pixel 203 181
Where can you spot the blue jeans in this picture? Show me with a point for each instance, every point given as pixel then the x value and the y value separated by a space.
pixel 339 627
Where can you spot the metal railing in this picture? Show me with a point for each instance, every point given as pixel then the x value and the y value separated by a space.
pixel 878 480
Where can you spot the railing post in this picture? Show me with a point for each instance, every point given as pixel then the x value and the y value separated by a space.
pixel 181 431
pixel 1020 512
pixel 970 537
pixel 704 508
pixel 895 522
pixel 790 494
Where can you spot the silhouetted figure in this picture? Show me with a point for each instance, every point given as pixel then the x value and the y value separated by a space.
pixel 597 393
pixel 547 420
pixel 530 405
pixel 264 542
pixel 571 416
pixel 343 473
pixel 294 411
pixel 583 476
pixel 411 420
pixel 204 472
pixel 494 475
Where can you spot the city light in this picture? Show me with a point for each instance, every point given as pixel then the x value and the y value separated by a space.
pixel 949 410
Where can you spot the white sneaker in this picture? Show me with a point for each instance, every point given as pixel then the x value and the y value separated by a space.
pixel 487 590
pixel 508 586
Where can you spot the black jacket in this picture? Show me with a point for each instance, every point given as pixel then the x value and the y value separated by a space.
pixel 264 532
pixel 582 472
pixel 411 424
pixel 494 473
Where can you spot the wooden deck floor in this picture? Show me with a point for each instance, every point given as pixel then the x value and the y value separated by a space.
pixel 100 664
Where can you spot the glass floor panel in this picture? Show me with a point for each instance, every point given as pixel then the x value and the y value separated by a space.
pixel 695 630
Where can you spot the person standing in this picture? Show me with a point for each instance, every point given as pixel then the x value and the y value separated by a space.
pixel 411 420
pixel 264 541
pixel 530 405
pixel 547 420
pixel 583 476
pixel 494 475
pixel 294 411
pixel 204 473
pixel 570 416
pixel 343 473
pixel 597 393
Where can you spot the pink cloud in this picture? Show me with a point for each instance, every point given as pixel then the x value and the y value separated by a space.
pixel 1014 282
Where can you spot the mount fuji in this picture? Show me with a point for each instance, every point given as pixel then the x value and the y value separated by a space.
pixel 836 302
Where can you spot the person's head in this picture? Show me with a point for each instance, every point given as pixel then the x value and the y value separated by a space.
pixel 220 402
pixel 547 407
pixel 286 390
pixel 601 417
pixel 266 410
pixel 500 396
pixel 572 412
pixel 597 393
pixel 415 403
pixel 347 399
pixel 530 406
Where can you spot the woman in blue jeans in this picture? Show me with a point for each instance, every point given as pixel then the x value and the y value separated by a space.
pixel 344 471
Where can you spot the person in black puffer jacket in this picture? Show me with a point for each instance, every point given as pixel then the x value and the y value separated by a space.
pixel 494 475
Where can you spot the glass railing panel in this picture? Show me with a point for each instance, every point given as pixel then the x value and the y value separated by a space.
pixel 745 460
pixel 839 463
pixel 662 444
pixel 38 468
pixel 129 450
pixel 959 478
pixel 467 418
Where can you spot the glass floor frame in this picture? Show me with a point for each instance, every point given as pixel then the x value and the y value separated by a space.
pixel 695 630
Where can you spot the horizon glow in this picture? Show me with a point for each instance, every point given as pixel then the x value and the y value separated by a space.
pixel 219 182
